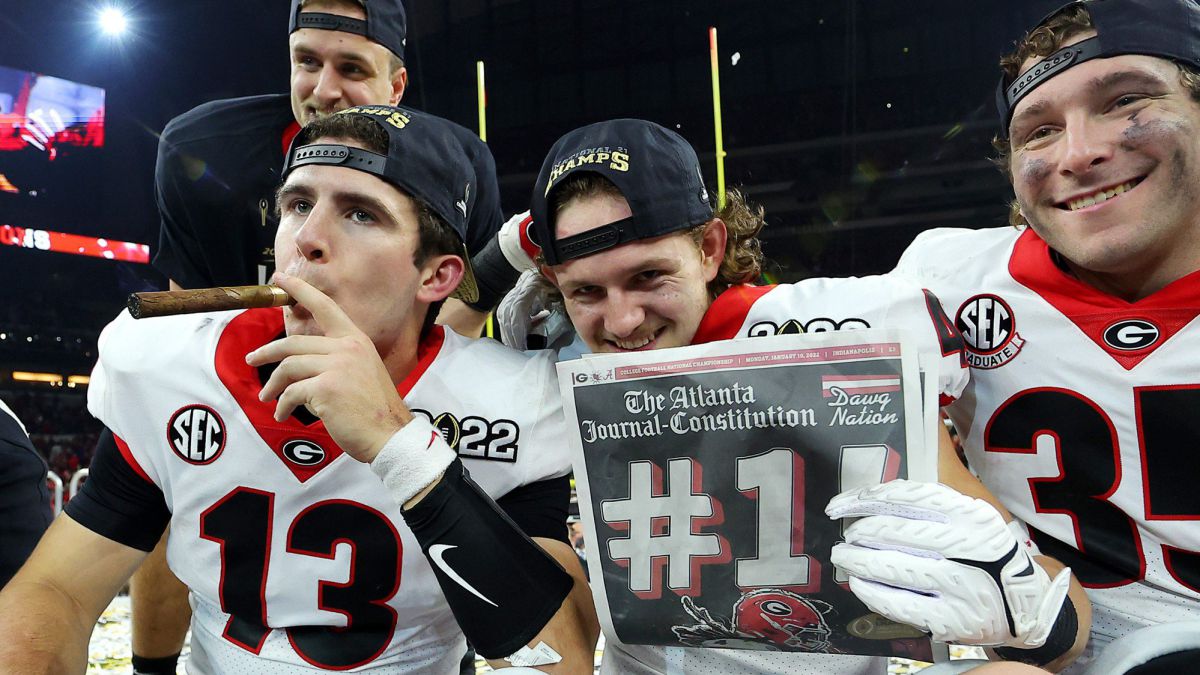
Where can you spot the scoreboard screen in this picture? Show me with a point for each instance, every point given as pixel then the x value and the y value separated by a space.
pixel 48 114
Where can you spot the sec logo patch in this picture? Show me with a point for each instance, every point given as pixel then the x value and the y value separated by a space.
pixel 197 434
pixel 989 329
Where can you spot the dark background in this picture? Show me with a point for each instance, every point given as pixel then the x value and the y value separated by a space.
pixel 856 123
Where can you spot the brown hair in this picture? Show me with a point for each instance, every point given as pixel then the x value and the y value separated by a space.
pixel 434 235
pixel 1044 40
pixel 743 259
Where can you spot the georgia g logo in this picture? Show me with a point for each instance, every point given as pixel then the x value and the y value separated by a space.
pixel 1130 335
pixel 197 434
pixel 303 452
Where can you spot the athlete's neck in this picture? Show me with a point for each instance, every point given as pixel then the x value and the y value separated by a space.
pixel 1148 278
pixel 400 357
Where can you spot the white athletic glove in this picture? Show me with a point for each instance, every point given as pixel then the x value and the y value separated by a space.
pixel 929 556
pixel 515 242
pixel 526 310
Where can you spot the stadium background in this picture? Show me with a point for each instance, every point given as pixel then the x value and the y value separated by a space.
pixel 856 123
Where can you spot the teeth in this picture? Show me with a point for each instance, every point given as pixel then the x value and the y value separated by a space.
pixel 1101 196
pixel 634 344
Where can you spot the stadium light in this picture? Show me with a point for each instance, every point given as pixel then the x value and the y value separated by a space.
pixel 113 21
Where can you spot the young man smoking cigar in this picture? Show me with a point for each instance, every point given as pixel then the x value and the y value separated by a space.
pixel 320 515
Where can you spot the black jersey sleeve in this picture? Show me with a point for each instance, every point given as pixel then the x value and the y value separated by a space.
pixel 175 255
pixel 540 509
pixel 119 502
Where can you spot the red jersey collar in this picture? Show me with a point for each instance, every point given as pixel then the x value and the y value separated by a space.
pixel 1093 311
pixel 254 328
pixel 727 313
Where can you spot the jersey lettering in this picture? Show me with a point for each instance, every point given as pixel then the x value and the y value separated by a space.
pixel 241 523
pixel 1108 549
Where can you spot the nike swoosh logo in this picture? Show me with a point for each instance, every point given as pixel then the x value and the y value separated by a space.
pixel 1025 572
pixel 436 552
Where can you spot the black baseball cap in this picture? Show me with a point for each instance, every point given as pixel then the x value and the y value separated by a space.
pixel 424 159
pixel 655 169
pixel 1169 29
pixel 386 23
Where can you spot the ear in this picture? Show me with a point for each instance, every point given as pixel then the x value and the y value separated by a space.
pixel 548 272
pixel 439 277
pixel 399 84
pixel 712 248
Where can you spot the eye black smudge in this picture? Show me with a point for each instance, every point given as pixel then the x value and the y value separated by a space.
pixel 1034 170
pixel 1138 133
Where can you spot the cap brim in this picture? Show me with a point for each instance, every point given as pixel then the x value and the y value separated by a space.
pixel 468 288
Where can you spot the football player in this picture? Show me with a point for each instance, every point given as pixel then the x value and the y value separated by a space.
pixel 1080 321
pixel 641 260
pixel 214 183
pixel 308 457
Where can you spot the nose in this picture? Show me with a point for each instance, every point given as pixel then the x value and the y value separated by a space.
pixel 1084 147
pixel 313 237
pixel 329 85
pixel 623 315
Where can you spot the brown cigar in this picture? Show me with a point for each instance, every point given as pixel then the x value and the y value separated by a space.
pixel 167 303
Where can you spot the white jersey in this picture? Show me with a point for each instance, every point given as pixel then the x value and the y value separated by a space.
pixel 1081 416
pixel 297 557
pixel 813 305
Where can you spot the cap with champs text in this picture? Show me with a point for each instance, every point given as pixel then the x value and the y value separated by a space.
pixel 1169 29
pixel 424 159
pixel 655 169
pixel 385 22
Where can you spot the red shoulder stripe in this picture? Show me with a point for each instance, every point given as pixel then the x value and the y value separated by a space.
pixel 129 459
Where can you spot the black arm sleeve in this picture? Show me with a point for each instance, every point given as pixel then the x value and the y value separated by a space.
pixel 494 275
pixel 540 509
pixel 117 502
pixel 502 588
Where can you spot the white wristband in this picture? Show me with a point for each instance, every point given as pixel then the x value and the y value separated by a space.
pixel 413 457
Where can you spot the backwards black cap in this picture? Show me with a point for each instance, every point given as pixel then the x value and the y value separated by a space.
pixel 424 159
pixel 1165 28
pixel 654 168
pixel 385 23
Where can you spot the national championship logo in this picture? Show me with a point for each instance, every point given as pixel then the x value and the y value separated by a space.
pixel 796 327
pixel 197 434
pixel 475 437
pixel 989 329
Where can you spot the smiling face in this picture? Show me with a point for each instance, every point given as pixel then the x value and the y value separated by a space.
pixel 646 294
pixel 353 236
pixel 1104 163
pixel 334 70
